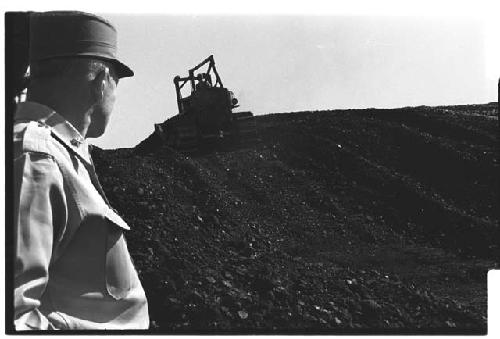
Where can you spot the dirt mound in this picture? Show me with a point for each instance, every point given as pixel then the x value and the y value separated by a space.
pixel 336 221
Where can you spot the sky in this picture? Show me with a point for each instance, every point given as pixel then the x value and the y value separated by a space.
pixel 286 63
pixel 286 56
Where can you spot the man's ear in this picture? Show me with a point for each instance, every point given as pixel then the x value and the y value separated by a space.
pixel 99 84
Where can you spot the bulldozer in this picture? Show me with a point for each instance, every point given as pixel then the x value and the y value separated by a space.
pixel 205 117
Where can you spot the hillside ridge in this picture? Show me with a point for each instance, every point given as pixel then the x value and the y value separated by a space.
pixel 351 221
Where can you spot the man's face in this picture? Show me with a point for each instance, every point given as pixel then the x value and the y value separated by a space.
pixel 104 107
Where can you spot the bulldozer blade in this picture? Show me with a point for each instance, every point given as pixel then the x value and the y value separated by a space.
pixel 245 127
pixel 185 137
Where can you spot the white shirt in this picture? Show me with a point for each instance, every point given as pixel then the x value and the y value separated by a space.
pixel 72 266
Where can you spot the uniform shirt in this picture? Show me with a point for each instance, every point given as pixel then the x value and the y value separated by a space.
pixel 72 266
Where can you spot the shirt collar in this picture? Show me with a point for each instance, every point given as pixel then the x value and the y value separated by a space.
pixel 33 111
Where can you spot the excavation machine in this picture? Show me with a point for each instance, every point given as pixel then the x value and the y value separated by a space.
pixel 206 116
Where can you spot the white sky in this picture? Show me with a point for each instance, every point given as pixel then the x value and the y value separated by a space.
pixel 283 56
pixel 290 63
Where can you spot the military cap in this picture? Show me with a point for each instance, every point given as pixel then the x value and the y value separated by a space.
pixel 71 33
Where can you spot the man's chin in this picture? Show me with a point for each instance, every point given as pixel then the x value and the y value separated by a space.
pixel 95 133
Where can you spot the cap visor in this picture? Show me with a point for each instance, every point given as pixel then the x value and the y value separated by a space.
pixel 122 70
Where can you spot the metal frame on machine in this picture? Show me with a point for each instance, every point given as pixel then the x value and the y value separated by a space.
pixel 205 77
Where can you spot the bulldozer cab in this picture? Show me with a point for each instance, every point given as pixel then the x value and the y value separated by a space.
pixel 205 94
pixel 205 116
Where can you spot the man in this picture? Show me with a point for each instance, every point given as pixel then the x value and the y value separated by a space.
pixel 72 266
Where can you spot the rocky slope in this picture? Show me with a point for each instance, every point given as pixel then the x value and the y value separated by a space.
pixel 357 221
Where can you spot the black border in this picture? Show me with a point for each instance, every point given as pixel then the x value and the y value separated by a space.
pixel 9 18
pixel 9 217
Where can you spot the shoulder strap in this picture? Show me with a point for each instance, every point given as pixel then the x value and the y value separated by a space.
pixel 89 167
pixel 35 138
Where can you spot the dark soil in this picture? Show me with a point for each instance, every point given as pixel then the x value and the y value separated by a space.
pixel 358 221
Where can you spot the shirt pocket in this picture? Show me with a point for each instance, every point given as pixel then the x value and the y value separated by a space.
pixel 120 274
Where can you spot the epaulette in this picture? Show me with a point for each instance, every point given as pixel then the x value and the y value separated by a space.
pixel 37 137
pixel 69 149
